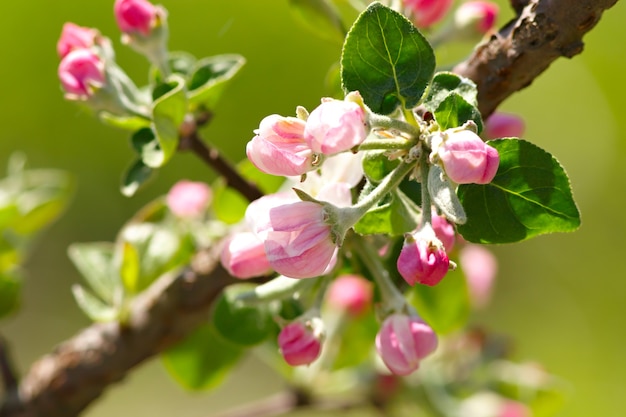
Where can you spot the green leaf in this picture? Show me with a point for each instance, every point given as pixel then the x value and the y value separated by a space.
pixel 10 291
pixel 228 205
pixel 386 59
pixel 210 77
pixel 529 196
pixel 202 360
pixel 147 145
pixel 129 269
pixel 394 216
pixel 321 17
pixel 238 323
pixel 453 111
pixel 168 113
pixel 92 306
pixel 95 263
pixel 444 83
pixel 355 345
pixel 135 177
pixel 180 62
pixel 123 122
pixel 446 306
pixel 266 182
pixel 377 165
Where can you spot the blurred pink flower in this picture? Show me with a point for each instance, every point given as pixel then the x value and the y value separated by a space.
pixel 188 198
pixel 351 293
pixel 480 267
pixel 504 125
pixel 75 37
pixel 426 13
pixel 81 72
pixel 135 16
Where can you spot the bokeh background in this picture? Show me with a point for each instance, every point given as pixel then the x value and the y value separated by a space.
pixel 562 298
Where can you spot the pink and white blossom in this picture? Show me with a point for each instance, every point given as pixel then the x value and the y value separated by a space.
pixel 403 342
pixel 336 126
pixel 81 72
pixel 300 343
pixel 279 147
pixel 243 256
pixel 423 258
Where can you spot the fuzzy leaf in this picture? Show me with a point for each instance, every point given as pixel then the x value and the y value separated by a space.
pixel 168 113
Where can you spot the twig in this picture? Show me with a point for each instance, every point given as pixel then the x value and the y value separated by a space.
pixel 7 371
pixel 64 382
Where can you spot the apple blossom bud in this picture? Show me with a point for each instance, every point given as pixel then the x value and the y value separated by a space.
pixel 301 343
pixel 510 408
pixel 135 16
pixel 423 258
pixel 444 231
pixel 243 256
pixel 466 158
pixel 480 267
pixel 478 17
pixel 504 125
pixel 279 147
pixel 188 198
pixel 350 293
pixel 336 126
pixel 81 72
pixel 426 13
pixel 299 242
pixel 75 37
pixel 403 341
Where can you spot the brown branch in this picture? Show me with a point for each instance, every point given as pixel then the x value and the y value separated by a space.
pixel 64 382
pixel 544 31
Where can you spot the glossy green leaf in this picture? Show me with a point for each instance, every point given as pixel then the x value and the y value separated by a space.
pixel 10 291
pixel 244 325
pixel 444 83
pixel 135 177
pixel 377 165
pixel 394 216
pixel 95 263
pixel 92 306
pixel 386 59
pixel 202 360
pixel 321 17
pixel 168 113
pixel 209 78
pixel 445 306
pixel 454 110
pixel 228 205
pixel 529 196
pixel 147 146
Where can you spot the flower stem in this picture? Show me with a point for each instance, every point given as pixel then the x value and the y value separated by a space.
pixel 277 289
pixel 412 128
pixel 386 144
pixel 426 203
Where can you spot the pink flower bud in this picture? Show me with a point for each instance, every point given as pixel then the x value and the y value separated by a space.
pixel 510 408
pixel 479 16
pixel 504 125
pixel 351 293
pixel 75 37
pixel 243 256
pixel 81 72
pixel 300 343
pixel 188 198
pixel 423 258
pixel 135 16
pixel 426 13
pixel 279 147
pixel 403 342
pixel 467 159
pixel 336 126
pixel 480 267
pixel 299 242
pixel 444 231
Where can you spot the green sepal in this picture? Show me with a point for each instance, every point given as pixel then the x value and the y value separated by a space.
pixel 530 195
pixel 136 176
pixel 386 59
pixel 168 112
pixel 202 360
pixel 321 17
pixel 209 78
pixel 239 323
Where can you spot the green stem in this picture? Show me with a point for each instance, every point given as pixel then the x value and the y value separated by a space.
pixel 392 297
pixel 426 203
pixel 279 288
pixel 386 144
pixel 411 128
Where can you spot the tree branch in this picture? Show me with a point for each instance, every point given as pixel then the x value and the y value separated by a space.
pixel 64 382
pixel 544 31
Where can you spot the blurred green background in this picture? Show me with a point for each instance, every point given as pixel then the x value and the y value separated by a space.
pixel 562 298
